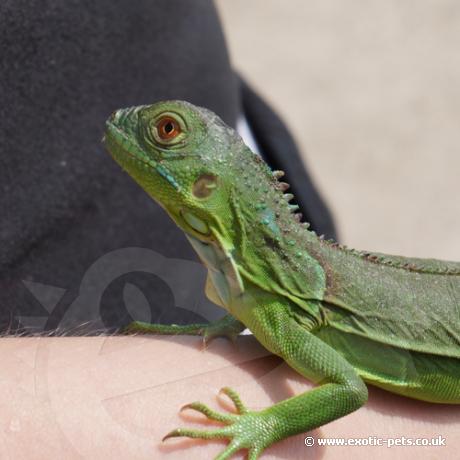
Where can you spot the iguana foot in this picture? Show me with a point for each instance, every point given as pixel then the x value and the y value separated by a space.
pixel 246 430
pixel 227 327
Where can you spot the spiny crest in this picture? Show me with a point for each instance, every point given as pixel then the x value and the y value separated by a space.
pixel 412 264
pixel 427 266
pixel 433 266
pixel 283 186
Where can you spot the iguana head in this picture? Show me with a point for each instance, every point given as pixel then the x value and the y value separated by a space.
pixel 220 193
pixel 183 156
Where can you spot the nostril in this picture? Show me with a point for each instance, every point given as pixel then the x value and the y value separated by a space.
pixel 115 117
pixel 124 118
pixel 118 116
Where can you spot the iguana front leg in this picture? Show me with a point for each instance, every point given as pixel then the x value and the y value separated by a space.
pixel 340 391
pixel 228 326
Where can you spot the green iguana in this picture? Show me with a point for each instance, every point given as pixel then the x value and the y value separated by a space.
pixel 337 316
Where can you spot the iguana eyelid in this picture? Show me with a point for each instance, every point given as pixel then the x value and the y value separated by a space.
pixel 174 141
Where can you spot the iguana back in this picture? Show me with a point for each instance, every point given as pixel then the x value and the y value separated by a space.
pixel 409 303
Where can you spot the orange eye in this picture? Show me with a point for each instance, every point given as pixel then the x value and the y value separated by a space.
pixel 168 128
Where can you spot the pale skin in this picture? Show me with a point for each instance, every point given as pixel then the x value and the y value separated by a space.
pixel 111 397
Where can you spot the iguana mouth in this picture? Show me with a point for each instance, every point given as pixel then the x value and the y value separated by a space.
pixel 122 145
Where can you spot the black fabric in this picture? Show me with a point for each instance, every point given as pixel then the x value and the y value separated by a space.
pixel 71 221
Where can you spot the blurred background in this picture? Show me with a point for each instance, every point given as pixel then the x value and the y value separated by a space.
pixel 371 92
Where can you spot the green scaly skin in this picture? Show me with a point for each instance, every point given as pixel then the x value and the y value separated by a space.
pixel 337 316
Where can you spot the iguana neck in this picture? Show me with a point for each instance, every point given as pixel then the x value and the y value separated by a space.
pixel 264 233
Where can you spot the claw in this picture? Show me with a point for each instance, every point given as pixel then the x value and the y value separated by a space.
pixel 172 434
pixel 208 412
pixel 209 336
pixel 186 406
pixel 246 430
pixel 179 432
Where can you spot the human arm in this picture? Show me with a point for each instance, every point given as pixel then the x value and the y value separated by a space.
pixel 111 397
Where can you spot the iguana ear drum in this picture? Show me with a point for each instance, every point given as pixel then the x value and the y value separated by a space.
pixel 204 185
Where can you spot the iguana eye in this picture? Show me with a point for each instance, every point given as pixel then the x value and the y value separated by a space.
pixel 168 128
